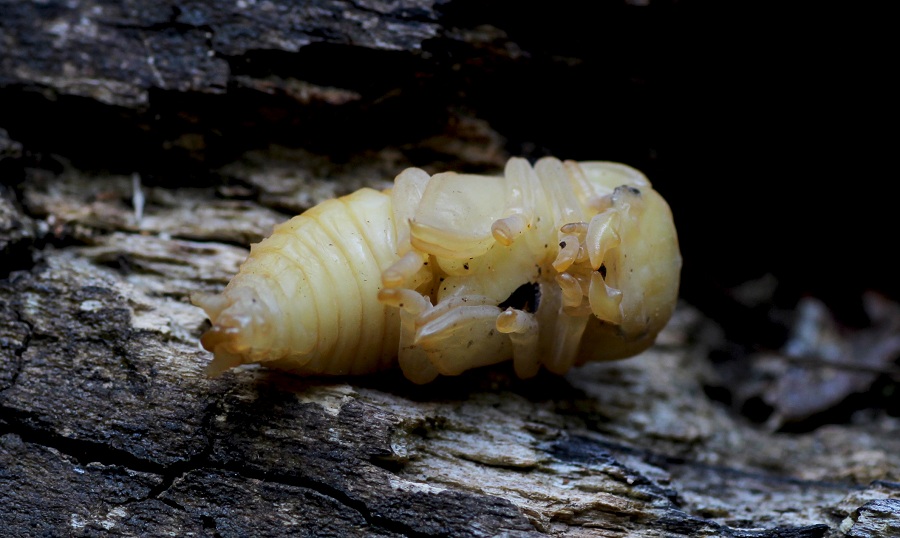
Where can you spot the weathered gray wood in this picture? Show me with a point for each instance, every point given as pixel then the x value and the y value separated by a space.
pixel 876 518
pixel 102 376
pixel 116 52
pixel 17 231
pixel 108 425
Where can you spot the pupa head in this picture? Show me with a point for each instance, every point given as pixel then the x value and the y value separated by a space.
pixel 634 286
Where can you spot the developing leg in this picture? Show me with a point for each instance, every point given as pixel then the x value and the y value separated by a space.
pixel 412 357
pixel 460 333
pixel 523 330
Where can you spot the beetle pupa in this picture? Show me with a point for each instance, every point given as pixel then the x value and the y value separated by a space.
pixel 550 265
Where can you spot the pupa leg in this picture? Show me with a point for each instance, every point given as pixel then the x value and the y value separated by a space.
pixel 605 300
pixel 460 334
pixel 603 240
pixel 566 341
pixel 522 188
pixel 413 359
pixel 602 236
pixel 404 269
pixel 507 229
pixel 523 330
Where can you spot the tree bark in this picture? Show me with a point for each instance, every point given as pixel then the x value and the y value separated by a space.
pixel 214 122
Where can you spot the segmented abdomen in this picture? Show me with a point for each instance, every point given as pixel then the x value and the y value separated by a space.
pixel 306 299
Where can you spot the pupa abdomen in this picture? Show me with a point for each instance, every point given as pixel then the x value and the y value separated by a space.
pixel 551 265
pixel 306 299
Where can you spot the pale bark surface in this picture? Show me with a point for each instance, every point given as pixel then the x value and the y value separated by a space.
pixel 220 120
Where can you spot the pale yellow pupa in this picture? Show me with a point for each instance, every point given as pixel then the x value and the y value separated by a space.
pixel 550 265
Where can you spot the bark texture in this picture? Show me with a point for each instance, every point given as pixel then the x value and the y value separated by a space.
pixel 144 145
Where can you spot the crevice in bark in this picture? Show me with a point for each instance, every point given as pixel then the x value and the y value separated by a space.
pixel 173 23
pixel 588 451
pixel 18 232
pixel 322 488
pixel 19 351
pixel 83 451
pixel 411 14
pixel 669 460
pixel 172 472
pixel 686 525
pixel 806 531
